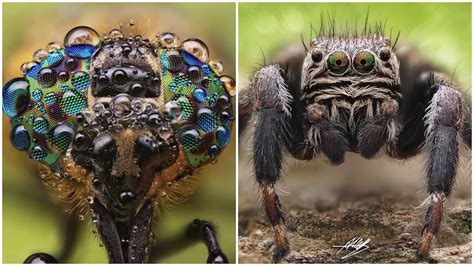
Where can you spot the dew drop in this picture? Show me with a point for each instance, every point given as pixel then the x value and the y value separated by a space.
pixel 217 66
pixel 229 84
pixel 81 42
pixel 197 48
pixel 115 34
pixel 164 133
pixel 40 55
pixel 53 46
pixel 168 39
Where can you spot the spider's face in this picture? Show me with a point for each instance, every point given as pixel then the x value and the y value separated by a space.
pixel 353 62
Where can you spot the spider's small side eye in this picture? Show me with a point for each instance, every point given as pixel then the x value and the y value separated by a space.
pixel 364 62
pixel 317 56
pixel 338 63
pixel 384 54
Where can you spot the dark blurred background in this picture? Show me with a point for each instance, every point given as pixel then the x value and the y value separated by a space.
pixel 442 33
pixel 30 220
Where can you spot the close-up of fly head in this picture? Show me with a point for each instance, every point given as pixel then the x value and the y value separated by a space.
pixel 118 124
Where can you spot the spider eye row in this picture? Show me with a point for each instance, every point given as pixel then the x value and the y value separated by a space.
pixel 338 62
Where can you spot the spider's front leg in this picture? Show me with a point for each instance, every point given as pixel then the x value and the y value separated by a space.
pixel 440 118
pixel 270 101
pixel 444 122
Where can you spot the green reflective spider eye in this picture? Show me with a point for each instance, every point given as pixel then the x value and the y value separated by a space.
pixel 364 62
pixel 338 63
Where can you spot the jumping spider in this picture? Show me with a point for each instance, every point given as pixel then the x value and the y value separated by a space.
pixel 118 125
pixel 355 93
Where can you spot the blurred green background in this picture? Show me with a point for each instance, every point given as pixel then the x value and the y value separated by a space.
pixel 30 221
pixel 442 31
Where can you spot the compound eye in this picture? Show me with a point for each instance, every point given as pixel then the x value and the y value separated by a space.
pixel 364 62
pixel 338 63
pixel 317 56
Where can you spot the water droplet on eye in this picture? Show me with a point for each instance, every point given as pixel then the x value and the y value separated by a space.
pixel 119 77
pixel 81 42
pixel 40 125
pixel 168 39
pixel 15 96
pixel 53 46
pixel 164 133
pixel 217 66
pixel 47 77
pixel 59 138
pixel 115 34
pixel 197 48
pixel 173 110
pixel 229 84
pixel 40 55
pixel 20 138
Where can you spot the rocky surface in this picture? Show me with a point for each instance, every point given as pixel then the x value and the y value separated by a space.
pixel 328 206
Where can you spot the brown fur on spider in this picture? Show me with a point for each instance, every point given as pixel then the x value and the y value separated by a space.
pixel 355 92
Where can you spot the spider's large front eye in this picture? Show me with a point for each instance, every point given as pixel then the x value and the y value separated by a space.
pixel 364 62
pixel 338 63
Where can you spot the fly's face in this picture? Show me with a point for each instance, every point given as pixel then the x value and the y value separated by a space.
pixel 120 124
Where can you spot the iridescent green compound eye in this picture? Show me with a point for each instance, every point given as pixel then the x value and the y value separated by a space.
pixel 364 62
pixel 338 63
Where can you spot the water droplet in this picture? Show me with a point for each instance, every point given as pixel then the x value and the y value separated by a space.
pixel 122 105
pixel 197 48
pixel 98 107
pixel 217 66
pixel 20 138
pixel 115 34
pixel 15 97
pixel 60 137
pixel 138 105
pixel 229 84
pixel 81 217
pixel 53 46
pixel 81 42
pixel 168 39
pixel 164 133
pixel 163 193
pixel 40 55
pixel 134 229
pixel 90 199
pixel 173 110
pixel 131 23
